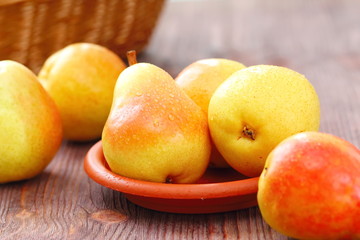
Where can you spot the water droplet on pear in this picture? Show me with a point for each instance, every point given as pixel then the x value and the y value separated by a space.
pixel 171 117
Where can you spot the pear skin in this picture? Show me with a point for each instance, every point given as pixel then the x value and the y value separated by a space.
pixel 81 79
pixel 200 80
pixel 255 109
pixel 155 132
pixel 31 130
pixel 310 187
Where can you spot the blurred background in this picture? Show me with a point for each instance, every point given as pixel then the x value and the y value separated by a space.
pixel 281 32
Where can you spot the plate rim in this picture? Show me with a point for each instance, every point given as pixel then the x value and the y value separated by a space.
pixel 94 166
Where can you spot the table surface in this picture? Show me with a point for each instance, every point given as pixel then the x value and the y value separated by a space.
pixel 319 39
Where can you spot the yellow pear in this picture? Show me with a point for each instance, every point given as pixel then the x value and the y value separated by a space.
pixel 81 79
pixel 155 132
pixel 200 80
pixel 30 124
pixel 255 109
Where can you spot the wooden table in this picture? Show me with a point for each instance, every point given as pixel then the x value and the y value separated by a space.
pixel 320 39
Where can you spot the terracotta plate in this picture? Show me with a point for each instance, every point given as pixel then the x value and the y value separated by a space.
pixel 219 190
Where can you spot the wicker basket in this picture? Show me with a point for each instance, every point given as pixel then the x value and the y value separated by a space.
pixel 31 30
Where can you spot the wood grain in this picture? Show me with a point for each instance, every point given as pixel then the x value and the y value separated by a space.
pixel 319 39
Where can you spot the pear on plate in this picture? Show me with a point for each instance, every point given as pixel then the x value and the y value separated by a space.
pixel 255 109
pixel 30 124
pixel 81 79
pixel 155 132
pixel 200 80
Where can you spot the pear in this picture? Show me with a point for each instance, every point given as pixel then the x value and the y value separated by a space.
pixel 310 187
pixel 155 132
pixel 200 80
pixel 30 124
pixel 255 109
pixel 81 79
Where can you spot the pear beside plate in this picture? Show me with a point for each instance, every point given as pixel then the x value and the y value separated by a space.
pixel 219 190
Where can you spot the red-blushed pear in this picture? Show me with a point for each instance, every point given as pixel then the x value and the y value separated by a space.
pixel 155 132
pixel 310 188
pixel 30 124
pixel 200 80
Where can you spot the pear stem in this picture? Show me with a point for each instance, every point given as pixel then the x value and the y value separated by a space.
pixel 249 132
pixel 131 57
pixel 169 179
